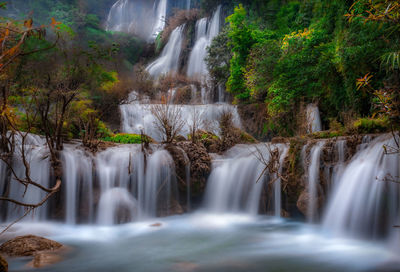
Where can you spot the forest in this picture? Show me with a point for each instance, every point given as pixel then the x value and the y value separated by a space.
pixel 208 124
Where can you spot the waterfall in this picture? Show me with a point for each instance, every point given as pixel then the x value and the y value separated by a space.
pixel 313 119
pixel 169 59
pixel 159 23
pixel 144 18
pixel 206 31
pixel 78 180
pixel 197 65
pixel 117 205
pixel 136 116
pixel 313 181
pixel 39 164
pixel 362 204
pixel 188 4
pixel 233 186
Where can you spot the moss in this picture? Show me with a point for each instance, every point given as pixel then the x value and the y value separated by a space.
pixel 247 138
pixel 327 134
pixel 127 139
pixel 371 125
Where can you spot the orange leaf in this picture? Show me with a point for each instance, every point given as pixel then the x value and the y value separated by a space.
pixel 28 23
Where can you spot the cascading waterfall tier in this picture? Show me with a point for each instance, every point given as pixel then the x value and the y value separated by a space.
pixel 363 203
pixel 118 185
pixel 122 184
pixel 144 18
pixel 238 181
pixel 138 117
pixel 168 62
pixel 206 31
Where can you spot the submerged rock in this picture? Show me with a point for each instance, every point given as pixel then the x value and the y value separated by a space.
pixel 3 264
pixel 27 246
pixel 43 259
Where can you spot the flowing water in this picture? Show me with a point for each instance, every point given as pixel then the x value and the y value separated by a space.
pixel 207 242
pixel 168 62
pixel 137 117
pixel 227 233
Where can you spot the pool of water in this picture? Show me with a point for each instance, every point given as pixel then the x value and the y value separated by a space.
pixel 208 242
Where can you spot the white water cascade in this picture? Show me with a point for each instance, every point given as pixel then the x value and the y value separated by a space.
pixel 237 183
pixel 206 31
pixel 36 156
pixel 314 181
pixel 313 119
pixel 136 117
pixel 363 204
pixel 144 18
pixel 168 62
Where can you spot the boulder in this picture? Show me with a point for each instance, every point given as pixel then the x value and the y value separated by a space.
pixel 200 165
pixel 27 246
pixel 3 264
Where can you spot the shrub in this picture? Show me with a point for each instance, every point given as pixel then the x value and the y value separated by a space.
pixel 371 125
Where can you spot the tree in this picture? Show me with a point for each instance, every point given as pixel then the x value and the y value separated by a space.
pixel 241 41
pixel 14 36
pixel 168 120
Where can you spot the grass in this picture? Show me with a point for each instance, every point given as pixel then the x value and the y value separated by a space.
pixel 124 138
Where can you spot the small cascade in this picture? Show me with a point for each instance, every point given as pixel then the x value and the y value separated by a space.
pixel 235 184
pixel 206 31
pixel 313 119
pixel 117 206
pixel 136 116
pixel 197 65
pixel 160 11
pixel 149 182
pixel 363 204
pixel 169 58
pixel 77 180
pixel 314 181
pixel 36 156
pixel 144 18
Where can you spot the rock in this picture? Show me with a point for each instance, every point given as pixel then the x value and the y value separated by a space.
pixel 43 259
pixel 302 202
pixel 156 225
pixel 285 214
pixel 3 264
pixel 200 165
pixel 27 246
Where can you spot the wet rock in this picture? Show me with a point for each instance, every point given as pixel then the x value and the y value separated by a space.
pixel 156 225
pixel 285 214
pixel 27 246
pixel 302 202
pixel 3 264
pixel 44 259
pixel 200 165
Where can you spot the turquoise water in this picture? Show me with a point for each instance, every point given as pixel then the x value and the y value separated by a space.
pixel 206 242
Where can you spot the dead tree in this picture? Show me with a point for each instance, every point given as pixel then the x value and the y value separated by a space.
pixel 168 120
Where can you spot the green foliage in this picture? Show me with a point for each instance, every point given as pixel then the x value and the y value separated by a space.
pixel 372 125
pixel 241 40
pixel 125 139
pixel 286 53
